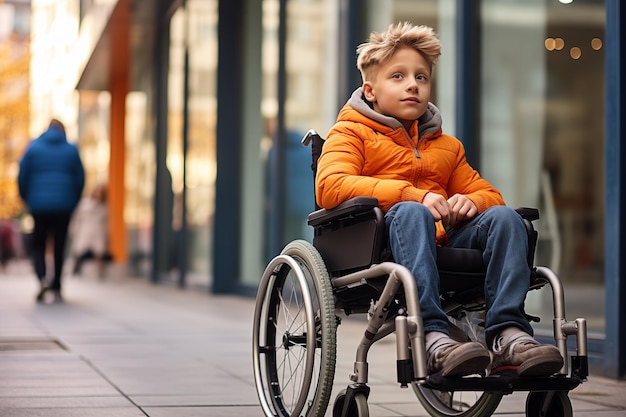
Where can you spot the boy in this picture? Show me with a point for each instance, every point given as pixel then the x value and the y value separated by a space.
pixel 388 143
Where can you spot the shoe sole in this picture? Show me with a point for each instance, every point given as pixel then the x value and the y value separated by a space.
pixel 542 365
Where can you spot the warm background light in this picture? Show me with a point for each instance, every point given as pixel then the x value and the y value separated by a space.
pixel 559 44
pixel 596 44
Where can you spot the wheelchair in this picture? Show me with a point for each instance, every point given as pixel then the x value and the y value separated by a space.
pixel 348 269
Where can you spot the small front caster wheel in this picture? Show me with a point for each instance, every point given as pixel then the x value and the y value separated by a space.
pixel 548 404
pixel 356 408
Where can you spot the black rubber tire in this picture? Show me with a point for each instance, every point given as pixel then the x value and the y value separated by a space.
pixel 358 407
pixel 293 370
pixel 559 406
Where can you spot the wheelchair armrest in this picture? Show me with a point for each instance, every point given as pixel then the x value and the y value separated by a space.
pixel 528 213
pixel 349 208
pixel 358 224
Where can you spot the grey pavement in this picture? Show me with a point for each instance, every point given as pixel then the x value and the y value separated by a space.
pixel 122 347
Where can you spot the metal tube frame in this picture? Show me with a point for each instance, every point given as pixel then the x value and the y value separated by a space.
pixel 561 327
pixel 413 331
pixel 410 331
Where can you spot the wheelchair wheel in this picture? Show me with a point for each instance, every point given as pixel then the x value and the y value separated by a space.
pixel 358 407
pixel 558 404
pixel 460 403
pixel 295 330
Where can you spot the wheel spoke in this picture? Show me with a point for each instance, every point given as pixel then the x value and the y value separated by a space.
pixel 288 365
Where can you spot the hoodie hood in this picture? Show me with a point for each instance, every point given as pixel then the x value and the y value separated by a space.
pixel 53 135
pixel 429 124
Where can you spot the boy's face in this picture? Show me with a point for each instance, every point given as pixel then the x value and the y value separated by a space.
pixel 401 88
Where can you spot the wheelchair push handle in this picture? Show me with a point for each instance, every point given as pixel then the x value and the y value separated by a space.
pixel 309 136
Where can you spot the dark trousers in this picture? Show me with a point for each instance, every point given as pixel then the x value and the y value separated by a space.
pixel 87 255
pixel 54 226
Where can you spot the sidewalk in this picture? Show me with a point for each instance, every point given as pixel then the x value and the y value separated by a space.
pixel 126 348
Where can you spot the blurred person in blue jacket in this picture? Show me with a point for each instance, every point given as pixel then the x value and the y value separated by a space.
pixel 51 180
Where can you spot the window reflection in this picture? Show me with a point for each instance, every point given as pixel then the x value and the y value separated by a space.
pixel 191 159
pixel 201 165
pixel 169 260
pixel 140 168
pixel 311 55
pixel 542 135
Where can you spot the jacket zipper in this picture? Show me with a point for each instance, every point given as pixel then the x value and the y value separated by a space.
pixel 414 146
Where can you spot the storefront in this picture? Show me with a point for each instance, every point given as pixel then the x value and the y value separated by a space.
pixel 219 93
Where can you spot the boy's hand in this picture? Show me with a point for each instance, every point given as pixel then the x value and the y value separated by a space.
pixel 461 208
pixel 439 207
pixel 452 211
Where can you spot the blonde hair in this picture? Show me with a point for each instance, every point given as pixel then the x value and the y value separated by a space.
pixel 381 46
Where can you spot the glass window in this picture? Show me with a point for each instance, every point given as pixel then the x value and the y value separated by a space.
pixel 140 169
pixel 310 92
pixel 94 123
pixel 191 137
pixel 175 160
pixel 311 59
pixel 259 44
pixel 200 156
pixel 542 136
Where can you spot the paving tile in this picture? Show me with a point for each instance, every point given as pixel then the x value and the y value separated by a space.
pixel 213 399
pixel 38 382
pixel 239 411
pixel 117 401
pixel 50 391
pixel 72 412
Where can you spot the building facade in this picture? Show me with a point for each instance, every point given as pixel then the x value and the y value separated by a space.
pixel 192 110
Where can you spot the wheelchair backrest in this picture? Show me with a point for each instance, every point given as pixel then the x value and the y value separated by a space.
pixel 350 236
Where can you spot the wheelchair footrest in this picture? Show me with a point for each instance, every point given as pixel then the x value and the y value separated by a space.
pixel 505 383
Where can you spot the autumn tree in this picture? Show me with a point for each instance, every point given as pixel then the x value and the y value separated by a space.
pixel 14 119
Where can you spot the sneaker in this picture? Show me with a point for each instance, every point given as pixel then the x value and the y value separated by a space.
pixel 527 356
pixel 458 359
pixel 42 292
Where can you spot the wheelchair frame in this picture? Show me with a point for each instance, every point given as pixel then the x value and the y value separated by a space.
pixel 397 296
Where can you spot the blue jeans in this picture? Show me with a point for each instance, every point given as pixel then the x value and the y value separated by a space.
pixel 499 232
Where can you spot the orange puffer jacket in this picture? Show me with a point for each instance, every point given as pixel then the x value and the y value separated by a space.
pixel 369 154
